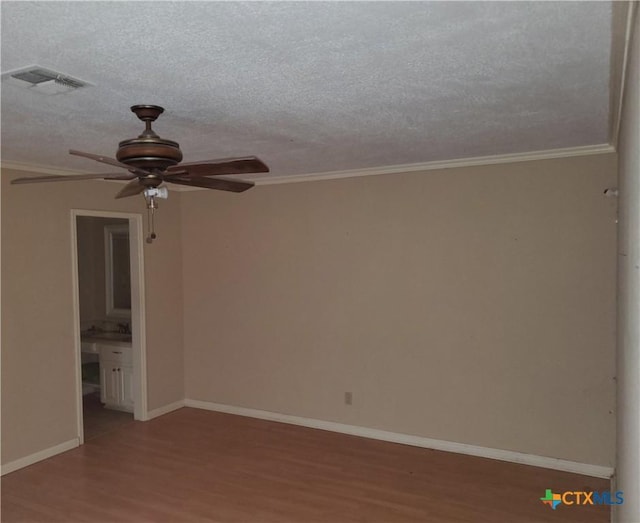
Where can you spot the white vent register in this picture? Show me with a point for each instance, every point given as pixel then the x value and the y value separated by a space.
pixel 42 80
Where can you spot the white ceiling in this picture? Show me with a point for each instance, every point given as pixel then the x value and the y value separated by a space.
pixel 310 86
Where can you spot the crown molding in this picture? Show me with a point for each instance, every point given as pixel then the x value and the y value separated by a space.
pixel 569 152
pixel 586 150
pixel 622 21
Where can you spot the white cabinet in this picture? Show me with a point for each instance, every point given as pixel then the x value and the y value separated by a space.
pixel 108 383
pixel 126 387
pixel 116 377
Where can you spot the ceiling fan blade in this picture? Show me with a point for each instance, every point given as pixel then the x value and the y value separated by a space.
pixel 109 161
pixel 246 165
pixel 211 183
pixel 131 189
pixel 72 178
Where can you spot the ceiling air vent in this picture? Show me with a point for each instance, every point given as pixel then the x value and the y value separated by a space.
pixel 43 80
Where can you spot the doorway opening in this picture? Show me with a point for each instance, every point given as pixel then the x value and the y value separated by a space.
pixel 108 278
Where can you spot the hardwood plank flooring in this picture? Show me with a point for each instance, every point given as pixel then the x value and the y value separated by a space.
pixel 98 420
pixel 195 465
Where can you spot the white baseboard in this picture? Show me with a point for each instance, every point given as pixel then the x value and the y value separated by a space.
pixel 71 444
pixel 165 409
pixel 586 469
pixel 39 456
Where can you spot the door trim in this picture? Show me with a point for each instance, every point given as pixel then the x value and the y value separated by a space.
pixel 138 312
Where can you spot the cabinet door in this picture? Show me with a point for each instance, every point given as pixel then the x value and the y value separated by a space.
pixel 126 387
pixel 109 383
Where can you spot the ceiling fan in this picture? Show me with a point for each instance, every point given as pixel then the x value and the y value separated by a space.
pixel 151 160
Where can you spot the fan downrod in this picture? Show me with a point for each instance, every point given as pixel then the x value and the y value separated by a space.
pixel 147 113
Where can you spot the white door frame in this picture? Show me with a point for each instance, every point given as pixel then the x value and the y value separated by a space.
pixel 139 339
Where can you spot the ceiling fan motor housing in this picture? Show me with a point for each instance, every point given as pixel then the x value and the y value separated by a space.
pixel 149 151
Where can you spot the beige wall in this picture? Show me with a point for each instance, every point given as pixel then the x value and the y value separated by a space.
pixel 38 375
pixel 473 305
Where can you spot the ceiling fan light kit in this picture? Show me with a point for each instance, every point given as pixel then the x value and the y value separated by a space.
pixel 152 160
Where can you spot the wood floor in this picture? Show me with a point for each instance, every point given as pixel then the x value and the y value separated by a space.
pixel 194 465
pixel 98 420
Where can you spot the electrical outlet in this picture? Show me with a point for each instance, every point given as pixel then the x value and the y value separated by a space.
pixel 348 398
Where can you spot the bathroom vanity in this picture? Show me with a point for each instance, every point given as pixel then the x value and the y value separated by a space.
pixel 116 368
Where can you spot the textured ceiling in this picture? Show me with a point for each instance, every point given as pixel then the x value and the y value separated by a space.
pixel 310 86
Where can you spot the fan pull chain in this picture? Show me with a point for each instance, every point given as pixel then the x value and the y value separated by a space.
pixel 151 208
pixel 150 195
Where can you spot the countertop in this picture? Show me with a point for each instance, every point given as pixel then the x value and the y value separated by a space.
pixel 105 338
